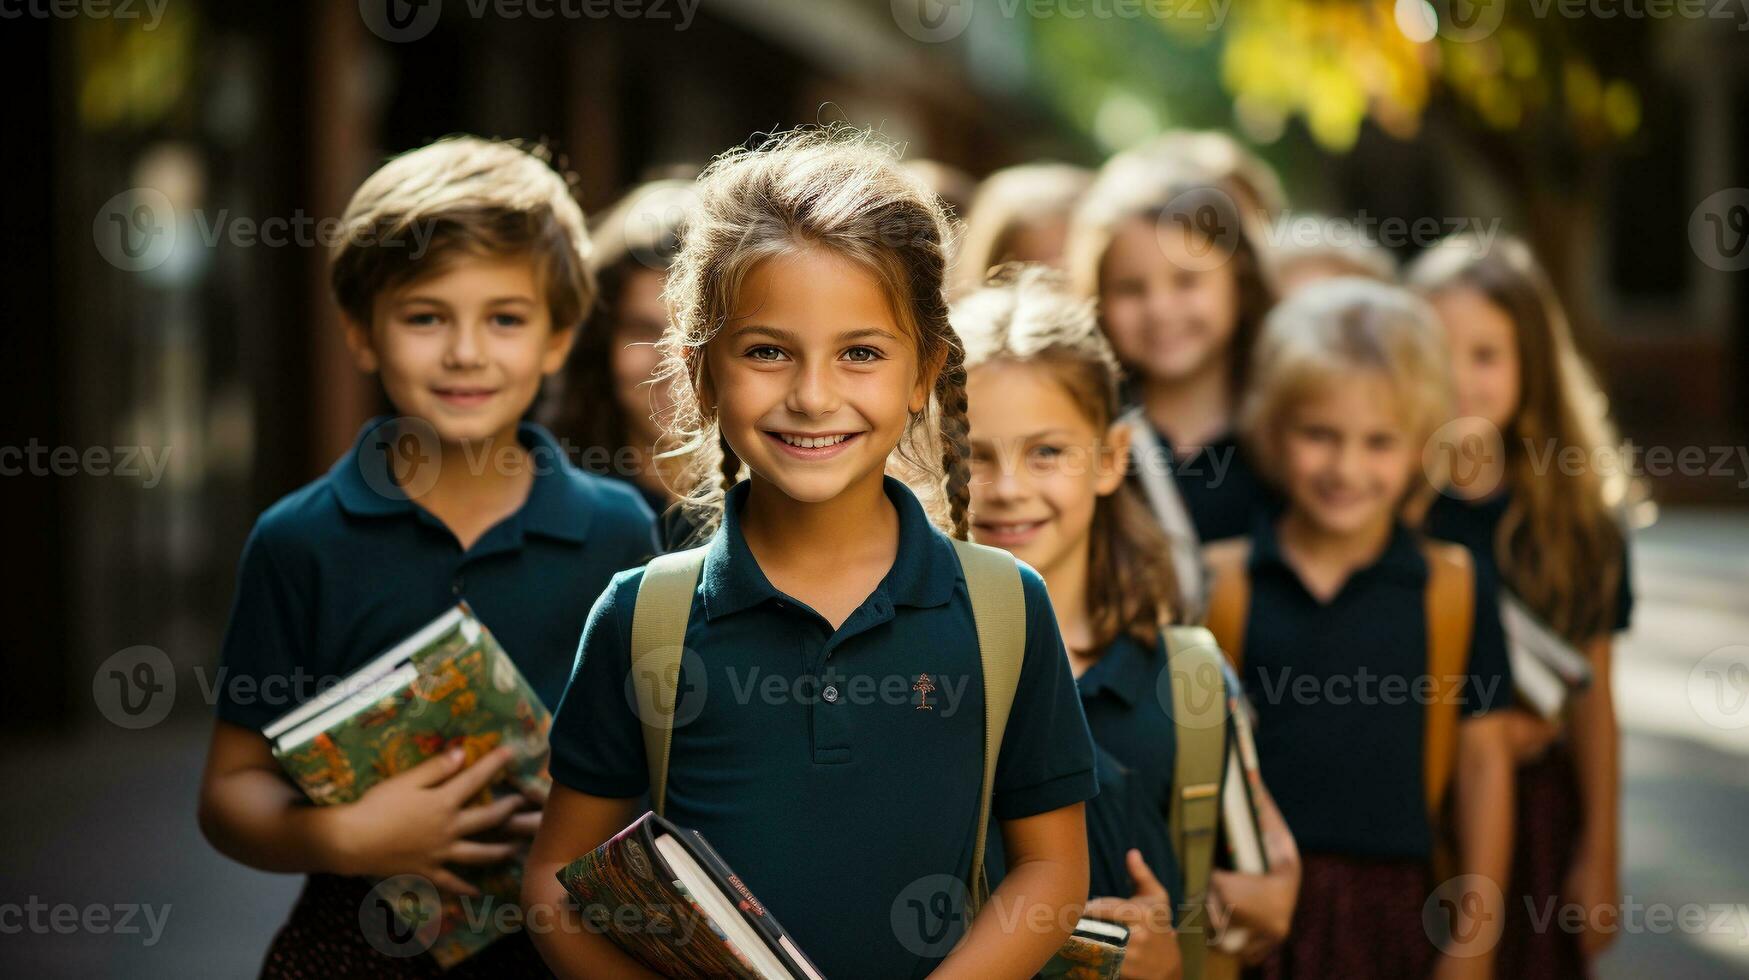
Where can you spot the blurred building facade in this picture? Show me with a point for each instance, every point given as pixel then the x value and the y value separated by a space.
pixel 223 352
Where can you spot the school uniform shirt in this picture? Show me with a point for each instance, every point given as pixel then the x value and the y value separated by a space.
pixel 1340 716
pixel 840 787
pixel 1127 697
pixel 1222 491
pixel 337 572
pixel 1475 524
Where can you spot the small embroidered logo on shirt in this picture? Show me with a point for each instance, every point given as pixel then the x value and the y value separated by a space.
pixel 923 686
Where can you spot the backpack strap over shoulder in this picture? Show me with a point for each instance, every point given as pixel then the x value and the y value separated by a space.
pixel 999 610
pixel 1229 596
pixel 659 620
pixel 1451 608
pixel 1199 713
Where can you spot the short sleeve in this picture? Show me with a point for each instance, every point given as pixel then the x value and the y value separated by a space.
pixel 597 740
pixel 1489 683
pixel 1046 759
pixel 268 638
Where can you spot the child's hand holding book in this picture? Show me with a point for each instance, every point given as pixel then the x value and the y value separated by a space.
pixel 419 821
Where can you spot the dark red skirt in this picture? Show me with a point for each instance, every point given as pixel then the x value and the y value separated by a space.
pixel 1358 919
pixel 1550 815
pixel 323 939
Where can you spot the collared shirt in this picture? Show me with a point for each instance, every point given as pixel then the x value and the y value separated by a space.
pixel 347 566
pixel 839 786
pixel 1127 697
pixel 1475 524
pixel 1222 491
pixel 1340 690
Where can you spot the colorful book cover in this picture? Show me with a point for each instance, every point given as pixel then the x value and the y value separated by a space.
pixel 448 685
pixel 632 888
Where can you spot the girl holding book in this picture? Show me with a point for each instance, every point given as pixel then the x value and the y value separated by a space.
pixel 1375 666
pixel 1553 537
pixel 1182 291
pixel 1048 460
pixel 812 352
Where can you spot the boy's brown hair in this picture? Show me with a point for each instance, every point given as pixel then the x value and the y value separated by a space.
pixel 462 195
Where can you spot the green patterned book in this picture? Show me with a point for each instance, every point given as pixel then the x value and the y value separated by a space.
pixel 450 684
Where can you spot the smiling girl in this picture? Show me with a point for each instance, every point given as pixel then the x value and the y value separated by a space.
pixel 1182 291
pixel 1553 537
pixel 812 351
pixel 1048 459
pixel 1375 664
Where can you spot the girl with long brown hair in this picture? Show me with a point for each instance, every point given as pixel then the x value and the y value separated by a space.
pixel 1553 536
pixel 1049 454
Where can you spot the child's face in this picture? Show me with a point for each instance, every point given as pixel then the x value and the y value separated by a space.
pixel 638 324
pixel 1484 355
pixel 1039 465
pixel 813 353
pixel 464 348
pixel 1346 455
pixel 1169 305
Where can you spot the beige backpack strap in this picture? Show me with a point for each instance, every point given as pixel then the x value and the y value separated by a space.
pixel 659 619
pixel 1199 713
pixel 1229 596
pixel 999 610
pixel 1451 609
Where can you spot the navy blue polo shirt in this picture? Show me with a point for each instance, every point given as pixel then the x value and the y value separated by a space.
pixel 1221 489
pixel 344 568
pixel 1127 697
pixel 1340 690
pixel 1475 524
pixel 811 759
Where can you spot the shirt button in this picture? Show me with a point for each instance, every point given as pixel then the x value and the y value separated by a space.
pixel 830 694
pixel 455 586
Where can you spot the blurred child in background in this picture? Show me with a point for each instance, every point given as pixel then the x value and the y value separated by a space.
pixel 1554 537
pixel 1020 214
pixel 609 407
pixel 1049 454
pixel 1375 664
pixel 1307 248
pixel 1182 291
